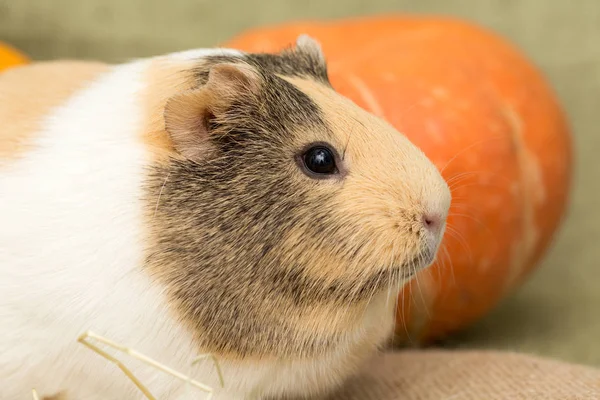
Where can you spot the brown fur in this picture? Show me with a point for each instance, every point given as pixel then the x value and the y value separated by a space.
pixel 29 93
pixel 259 259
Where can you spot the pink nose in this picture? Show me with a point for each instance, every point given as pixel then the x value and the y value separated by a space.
pixel 432 221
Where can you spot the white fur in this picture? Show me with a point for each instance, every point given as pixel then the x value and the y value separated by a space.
pixel 71 247
pixel 193 54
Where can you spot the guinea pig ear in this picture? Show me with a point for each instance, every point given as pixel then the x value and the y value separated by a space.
pixel 189 115
pixel 310 46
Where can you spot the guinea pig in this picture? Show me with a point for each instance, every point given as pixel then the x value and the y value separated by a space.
pixel 204 201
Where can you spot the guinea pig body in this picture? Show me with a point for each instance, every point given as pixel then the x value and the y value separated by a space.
pixel 208 201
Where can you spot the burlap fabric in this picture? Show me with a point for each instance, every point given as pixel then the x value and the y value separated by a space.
pixel 471 375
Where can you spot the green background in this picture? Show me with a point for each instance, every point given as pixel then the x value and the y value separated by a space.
pixel 556 313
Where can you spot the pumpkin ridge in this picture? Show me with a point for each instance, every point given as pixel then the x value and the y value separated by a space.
pixel 525 246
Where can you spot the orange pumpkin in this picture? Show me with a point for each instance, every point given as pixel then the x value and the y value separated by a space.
pixel 486 117
pixel 10 57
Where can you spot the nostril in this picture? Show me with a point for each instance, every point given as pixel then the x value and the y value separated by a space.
pixel 430 221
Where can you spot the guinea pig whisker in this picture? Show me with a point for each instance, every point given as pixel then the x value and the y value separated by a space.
pixel 455 179
pixel 421 261
pixel 447 257
pixel 469 147
pixel 394 273
pixel 160 194
pixel 453 214
pixel 403 285
pixel 373 282
pixel 457 204
pixel 484 186
pixel 461 240
pixel 374 286
pixel 400 284
pixel 374 290
pixel 484 181
pixel 346 146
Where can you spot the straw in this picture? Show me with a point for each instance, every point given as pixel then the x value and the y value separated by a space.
pixel 85 340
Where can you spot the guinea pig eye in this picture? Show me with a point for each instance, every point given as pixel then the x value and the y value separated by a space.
pixel 320 160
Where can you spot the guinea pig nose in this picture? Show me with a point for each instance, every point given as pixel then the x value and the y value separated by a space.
pixel 431 221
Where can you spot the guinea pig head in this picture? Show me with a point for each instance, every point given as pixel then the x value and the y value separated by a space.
pixel 284 194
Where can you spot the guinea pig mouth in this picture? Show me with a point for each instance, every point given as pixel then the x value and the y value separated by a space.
pixel 394 274
pixel 422 260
